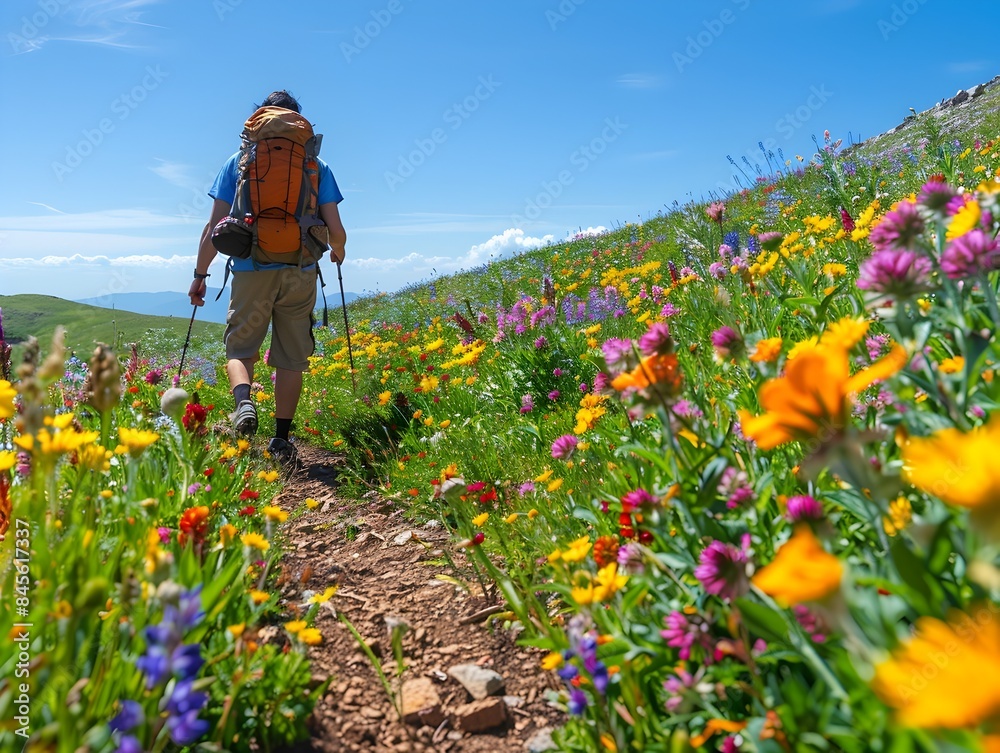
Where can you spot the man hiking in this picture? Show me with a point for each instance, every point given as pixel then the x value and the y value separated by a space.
pixel 269 292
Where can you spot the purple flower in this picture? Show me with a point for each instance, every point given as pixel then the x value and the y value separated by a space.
pixel 564 446
pixel 130 717
pixel 554 395
pixel 934 196
pixel 577 702
pixel 735 486
pixel 669 310
pixel 630 558
pixel 684 634
pixel 900 274
pixel 557 372
pixel 802 508
pixel 718 270
pixel 728 343
pixel 526 488
pixel 898 229
pixel 656 340
pixel 186 728
pixel 164 533
pixel 617 353
pixel 129 744
pixel 974 253
pixel 725 251
pixel 540 343
pixel 527 403
pixel 722 570
pixel 185 698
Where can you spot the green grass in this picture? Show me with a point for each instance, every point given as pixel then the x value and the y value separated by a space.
pixel 38 316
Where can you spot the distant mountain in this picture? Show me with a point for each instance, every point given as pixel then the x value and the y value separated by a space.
pixel 178 305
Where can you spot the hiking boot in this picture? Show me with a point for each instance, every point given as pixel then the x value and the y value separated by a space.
pixel 245 419
pixel 283 451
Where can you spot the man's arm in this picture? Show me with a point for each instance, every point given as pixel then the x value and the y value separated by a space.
pixel 206 253
pixel 330 215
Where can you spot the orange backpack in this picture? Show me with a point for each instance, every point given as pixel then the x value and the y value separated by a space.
pixel 274 217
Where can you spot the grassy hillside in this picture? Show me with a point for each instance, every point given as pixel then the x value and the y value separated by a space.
pixel 25 316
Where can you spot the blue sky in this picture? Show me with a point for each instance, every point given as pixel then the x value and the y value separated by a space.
pixel 458 131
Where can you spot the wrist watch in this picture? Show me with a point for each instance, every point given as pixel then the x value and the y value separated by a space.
pixel 199 276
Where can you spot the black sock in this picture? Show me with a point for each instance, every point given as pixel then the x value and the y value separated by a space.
pixel 241 392
pixel 281 428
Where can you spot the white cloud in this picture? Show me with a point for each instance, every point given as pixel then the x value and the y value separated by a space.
pixel 968 66
pixel 510 242
pixel 109 219
pixel 590 232
pixel 176 173
pixel 77 260
pixel 640 81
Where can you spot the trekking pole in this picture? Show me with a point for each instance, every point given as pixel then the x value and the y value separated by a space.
pixel 187 341
pixel 347 328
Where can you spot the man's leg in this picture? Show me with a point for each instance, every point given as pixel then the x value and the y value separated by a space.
pixel 287 390
pixel 240 371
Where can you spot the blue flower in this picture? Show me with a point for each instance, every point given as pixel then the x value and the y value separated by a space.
pixel 129 744
pixel 185 699
pixel 186 728
pixel 186 661
pixel 130 717
pixel 577 702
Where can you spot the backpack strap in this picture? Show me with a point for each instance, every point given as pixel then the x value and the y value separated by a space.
pixel 225 279
pixel 322 288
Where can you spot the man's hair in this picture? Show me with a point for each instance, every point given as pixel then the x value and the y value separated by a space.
pixel 283 99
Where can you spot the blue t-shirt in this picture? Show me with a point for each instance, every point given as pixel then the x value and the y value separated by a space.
pixel 224 189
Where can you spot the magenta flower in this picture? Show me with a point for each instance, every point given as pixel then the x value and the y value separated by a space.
pixel 898 229
pixel 656 340
pixel 901 274
pixel 803 508
pixel 527 403
pixel 630 559
pixel 164 533
pixel 685 634
pixel 564 447
pixel 728 343
pixel 637 498
pixel 669 310
pixel 617 353
pixel 974 253
pixel 541 342
pixel 770 241
pixel 722 570
pixel 715 210
pixel 554 395
pixel 526 488
pixel 718 270
pixel 935 196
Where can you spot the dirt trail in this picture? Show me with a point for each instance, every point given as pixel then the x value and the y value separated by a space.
pixel 382 566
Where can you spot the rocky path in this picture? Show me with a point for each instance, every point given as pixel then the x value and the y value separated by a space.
pixel 388 572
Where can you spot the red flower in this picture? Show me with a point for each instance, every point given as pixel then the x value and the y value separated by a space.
pixel 193 523
pixel 479 538
pixel 247 511
pixel 248 494
pixel 490 496
pixel 209 472
pixel 194 418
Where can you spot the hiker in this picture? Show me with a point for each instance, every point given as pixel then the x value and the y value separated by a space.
pixel 282 295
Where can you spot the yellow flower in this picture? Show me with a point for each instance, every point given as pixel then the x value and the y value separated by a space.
pixel 554 484
pixel 7 395
pixel 429 383
pixel 259 597
pixel 92 457
pixel 964 220
pixel 310 636
pixel 812 396
pixel 952 365
pixel 960 469
pixel 255 541
pixel 237 630
pixel 948 674
pixel 601 588
pixel 384 397
pixel 311 503
pixel 532 513
pixel 900 515
pixel 480 519
pixel 227 533
pixel 136 440
pixel 275 514
pixel 578 550
pixel 767 350
pixel 63 610
pixel 511 519
pixel 445 424
pixel 323 597
pixel 7 460
pixel 846 332
pixel 800 571
pixel 268 476
pixel 295 626
pixel 541 479
pixel 552 661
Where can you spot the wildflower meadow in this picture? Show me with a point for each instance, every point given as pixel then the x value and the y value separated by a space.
pixel 731 470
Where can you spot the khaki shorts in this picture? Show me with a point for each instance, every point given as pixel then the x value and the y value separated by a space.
pixel 284 298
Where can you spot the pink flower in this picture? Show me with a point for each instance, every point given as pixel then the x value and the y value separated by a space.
pixel 898 229
pixel 715 210
pixel 900 274
pixel 802 508
pixel 974 253
pixel 618 353
pixel 637 498
pixel 722 570
pixel 935 196
pixel 728 343
pixel 564 447
pixel 656 341
pixel 527 403
pixel 685 634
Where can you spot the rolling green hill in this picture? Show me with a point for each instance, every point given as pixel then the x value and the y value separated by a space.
pixel 25 316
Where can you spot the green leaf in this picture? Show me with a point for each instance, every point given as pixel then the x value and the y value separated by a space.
pixel 911 570
pixel 762 620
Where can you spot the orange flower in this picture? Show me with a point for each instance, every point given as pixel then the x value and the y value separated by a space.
pixel 800 571
pixel 656 369
pixel 767 351
pixel 811 397
pixel 948 674
pixel 193 523
pixel 713 726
